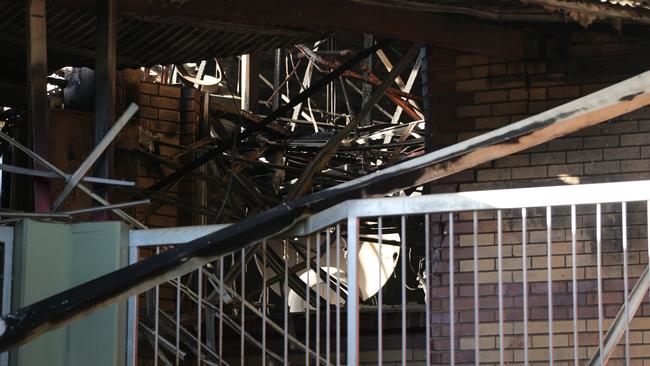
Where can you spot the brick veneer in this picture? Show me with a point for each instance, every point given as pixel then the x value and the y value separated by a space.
pixel 472 94
pixel 171 113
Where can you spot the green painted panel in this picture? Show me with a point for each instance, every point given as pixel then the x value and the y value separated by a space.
pixel 51 257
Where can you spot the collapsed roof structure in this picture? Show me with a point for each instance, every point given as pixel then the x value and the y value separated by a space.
pixel 301 122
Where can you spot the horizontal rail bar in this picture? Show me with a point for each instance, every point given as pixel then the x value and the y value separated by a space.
pixel 480 200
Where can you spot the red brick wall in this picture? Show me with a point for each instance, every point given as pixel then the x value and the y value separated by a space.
pixel 171 116
pixel 472 94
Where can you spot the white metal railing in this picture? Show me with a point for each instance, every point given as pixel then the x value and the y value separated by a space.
pixel 283 315
pixel 301 306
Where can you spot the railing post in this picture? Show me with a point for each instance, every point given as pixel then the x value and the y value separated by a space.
pixel 131 317
pixel 353 296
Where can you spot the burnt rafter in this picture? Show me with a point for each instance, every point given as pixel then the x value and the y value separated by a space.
pixel 453 31
pixel 23 324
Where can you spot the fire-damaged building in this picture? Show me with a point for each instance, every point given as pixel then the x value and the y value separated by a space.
pixel 351 182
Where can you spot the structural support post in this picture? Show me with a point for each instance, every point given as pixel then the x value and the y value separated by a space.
pixel 105 65
pixel 248 86
pixel 38 104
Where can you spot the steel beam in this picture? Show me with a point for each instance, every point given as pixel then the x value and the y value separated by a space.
pixel 60 173
pixel 50 175
pixel 96 154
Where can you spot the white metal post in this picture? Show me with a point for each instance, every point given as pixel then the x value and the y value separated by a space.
pixel 353 296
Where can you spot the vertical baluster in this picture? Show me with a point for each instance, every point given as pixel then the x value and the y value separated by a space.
pixel 574 278
pixel 500 287
pixel 286 304
pixel 132 317
pixel 338 295
pixel 317 270
pixel 477 343
pixel 353 292
pixel 242 344
pixel 427 274
pixel 199 315
pixel 452 293
pixel 308 275
pixel 328 325
pixel 380 333
pixel 178 321
pixel 600 283
pixel 156 347
pixel 221 292
pixel 404 325
pixel 549 271
pixel 625 284
pixel 264 303
pixel 524 271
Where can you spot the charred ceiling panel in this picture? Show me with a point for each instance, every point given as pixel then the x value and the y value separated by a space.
pixel 141 41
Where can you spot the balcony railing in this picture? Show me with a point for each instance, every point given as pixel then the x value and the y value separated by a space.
pixel 552 274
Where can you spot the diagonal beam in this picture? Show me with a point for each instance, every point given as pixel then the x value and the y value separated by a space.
pixel 20 326
pixel 85 166
pixel 39 159
pixel 408 86
pixel 617 329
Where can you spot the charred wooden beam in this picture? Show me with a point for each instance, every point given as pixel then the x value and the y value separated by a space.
pixel 23 324
pixel 406 23
pixel 37 101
